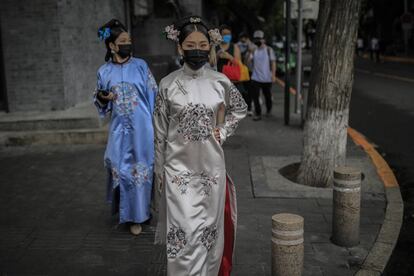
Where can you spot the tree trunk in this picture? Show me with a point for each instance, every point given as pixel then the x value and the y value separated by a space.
pixel 325 132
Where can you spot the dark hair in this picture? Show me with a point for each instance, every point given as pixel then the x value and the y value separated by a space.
pixel 190 24
pixel 243 34
pixel 116 28
pixel 224 27
pixel 186 27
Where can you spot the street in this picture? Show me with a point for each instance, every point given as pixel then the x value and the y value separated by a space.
pixel 382 108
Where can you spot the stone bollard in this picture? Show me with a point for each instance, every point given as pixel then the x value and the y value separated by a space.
pixel 287 245
pixel 346 206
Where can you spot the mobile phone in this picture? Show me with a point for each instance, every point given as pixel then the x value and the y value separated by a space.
pixel 103 92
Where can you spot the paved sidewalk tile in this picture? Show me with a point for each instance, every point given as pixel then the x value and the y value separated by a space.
pixel 54 219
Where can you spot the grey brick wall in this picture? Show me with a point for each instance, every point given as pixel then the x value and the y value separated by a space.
pixel 51 52
pixel 82 52
pixel 32 54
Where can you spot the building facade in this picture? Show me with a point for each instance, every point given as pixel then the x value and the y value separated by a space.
pixel 49 50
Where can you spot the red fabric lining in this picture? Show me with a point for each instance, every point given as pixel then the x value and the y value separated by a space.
pixel 227 259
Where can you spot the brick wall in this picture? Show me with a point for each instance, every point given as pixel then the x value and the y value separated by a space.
pixel 82 51
pixel 51 52
pixel 32 54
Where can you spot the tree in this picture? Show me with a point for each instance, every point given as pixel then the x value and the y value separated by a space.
pixel 325 132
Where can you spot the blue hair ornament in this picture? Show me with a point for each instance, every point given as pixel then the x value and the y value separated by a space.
pixel 104 33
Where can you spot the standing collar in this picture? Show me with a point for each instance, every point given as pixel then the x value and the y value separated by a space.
pixel 123 63
pixel 193 73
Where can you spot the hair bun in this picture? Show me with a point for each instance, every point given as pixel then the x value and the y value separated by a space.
pixel 180 29
pixel 191 19
pixel 113 23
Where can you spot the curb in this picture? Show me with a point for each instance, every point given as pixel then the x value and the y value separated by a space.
pixel 378 256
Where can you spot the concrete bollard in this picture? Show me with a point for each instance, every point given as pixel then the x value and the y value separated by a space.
pixel 287 245
pixel 346 206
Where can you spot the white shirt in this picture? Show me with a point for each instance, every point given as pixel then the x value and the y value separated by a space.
pixel 360 43
pixel 374 43
pixel 261 64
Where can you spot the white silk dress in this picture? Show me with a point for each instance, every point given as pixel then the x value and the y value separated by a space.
pixel 190 175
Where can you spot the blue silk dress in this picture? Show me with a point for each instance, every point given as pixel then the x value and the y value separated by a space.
pixel 129 155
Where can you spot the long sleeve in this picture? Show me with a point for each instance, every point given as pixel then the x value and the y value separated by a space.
pixel 103 108
pixel 152 90
pixel 161 123
pixel 236 109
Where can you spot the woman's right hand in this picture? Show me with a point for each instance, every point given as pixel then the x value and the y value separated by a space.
pixel 109 97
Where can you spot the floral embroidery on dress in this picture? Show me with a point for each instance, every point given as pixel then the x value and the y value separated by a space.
pixel 176 241
pixel 158 141
pixel 209 237
pixel 208 181
pixel 195 122
pixel 126 98
pixel 114 172
pixel 231 122
pixel 236 99
pixel 182 181
pixel 115 177
pixel 140 174
pixel 126 125
pixel 151 83
pixel 158 105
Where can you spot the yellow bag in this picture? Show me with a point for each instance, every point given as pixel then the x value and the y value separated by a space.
pixel 244 73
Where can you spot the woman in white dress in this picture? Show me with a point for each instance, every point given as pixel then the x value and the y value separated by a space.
pixel 196 110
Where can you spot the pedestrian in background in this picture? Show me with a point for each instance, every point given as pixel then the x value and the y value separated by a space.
pixel 126 89
pixel 229 52
pixel 360 47
pixel 196 110
pixel 264 74
pixel 375 49
pixel 247 47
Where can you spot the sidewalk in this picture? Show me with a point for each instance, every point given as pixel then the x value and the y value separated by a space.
pixel 54 220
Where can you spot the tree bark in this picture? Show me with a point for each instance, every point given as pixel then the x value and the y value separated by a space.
pixel 325 132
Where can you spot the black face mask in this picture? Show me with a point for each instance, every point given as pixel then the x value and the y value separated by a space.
pixel 196 58
pixel 124 50
pixel 258 43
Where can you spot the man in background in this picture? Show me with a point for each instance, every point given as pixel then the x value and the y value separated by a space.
pixel 264 73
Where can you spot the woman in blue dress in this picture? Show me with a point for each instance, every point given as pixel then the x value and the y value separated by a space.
pixel 126 89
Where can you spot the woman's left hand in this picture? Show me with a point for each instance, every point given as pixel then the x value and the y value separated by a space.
pixel 217 134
